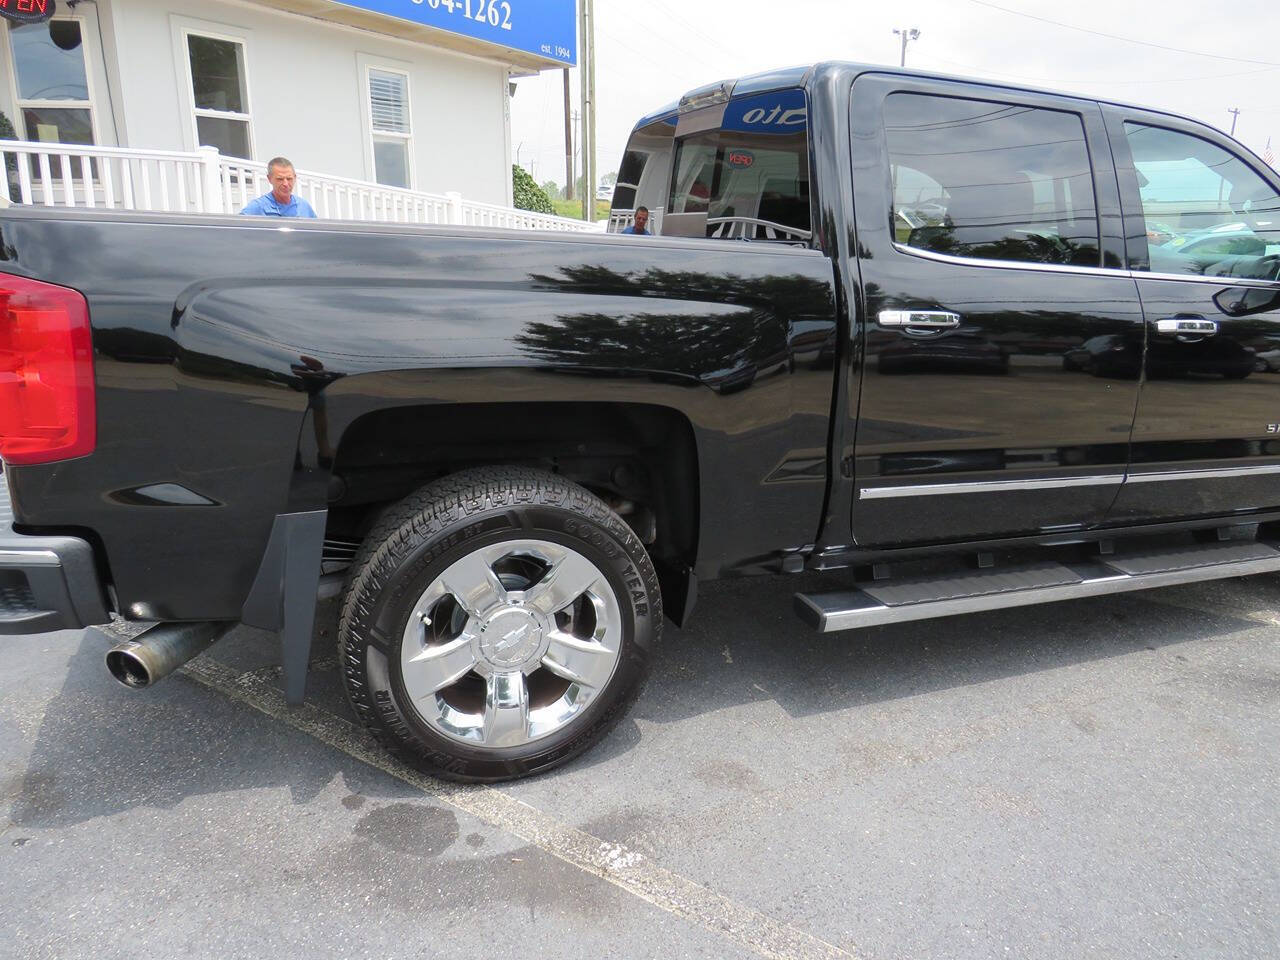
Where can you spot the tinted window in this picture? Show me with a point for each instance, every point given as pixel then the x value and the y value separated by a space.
pixel 629 174
pixel 1207 212
pixel 751 175
pixel 695 173
pixel 994 181
pixel 644 175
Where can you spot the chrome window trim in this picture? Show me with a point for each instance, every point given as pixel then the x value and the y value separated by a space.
pixel 1083 271
pixel 1216 281
pixel 987 486
pixel 1009 264
pixel 1058 483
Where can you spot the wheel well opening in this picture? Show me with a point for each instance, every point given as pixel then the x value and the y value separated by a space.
pixel 639 458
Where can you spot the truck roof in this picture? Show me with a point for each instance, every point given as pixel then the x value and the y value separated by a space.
pixel 799 76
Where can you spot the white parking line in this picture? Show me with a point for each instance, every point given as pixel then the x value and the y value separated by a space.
pixel 617 864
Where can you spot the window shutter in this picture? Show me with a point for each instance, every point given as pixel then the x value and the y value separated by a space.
pixel 389 101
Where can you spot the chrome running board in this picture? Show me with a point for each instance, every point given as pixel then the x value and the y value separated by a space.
pixel 922 598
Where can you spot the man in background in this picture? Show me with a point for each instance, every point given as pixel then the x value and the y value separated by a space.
pixel 642 222
pixel 280 202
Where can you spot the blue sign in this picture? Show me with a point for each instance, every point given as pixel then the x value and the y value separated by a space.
pixel 544 28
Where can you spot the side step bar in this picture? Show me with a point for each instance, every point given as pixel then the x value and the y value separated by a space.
pixel 897 601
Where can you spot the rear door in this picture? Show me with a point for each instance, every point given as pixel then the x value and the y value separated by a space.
pixel 1204 242
pixel 1002 333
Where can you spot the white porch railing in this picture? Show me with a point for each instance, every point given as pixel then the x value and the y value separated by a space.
pixel 119 178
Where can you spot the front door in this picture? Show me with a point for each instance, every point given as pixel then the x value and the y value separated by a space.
pixel 1204 226
pixel 1002 333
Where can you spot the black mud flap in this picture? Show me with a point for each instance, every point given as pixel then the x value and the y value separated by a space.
pixel 283 596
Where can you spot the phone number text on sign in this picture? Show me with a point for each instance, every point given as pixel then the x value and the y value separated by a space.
pixel 487 11
pixel 547 29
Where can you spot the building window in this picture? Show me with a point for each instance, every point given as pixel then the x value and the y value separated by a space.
pixel 220 95
pixel 392 130
pixel 52 81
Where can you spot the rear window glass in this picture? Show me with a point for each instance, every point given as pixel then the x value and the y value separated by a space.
pixel 993 181
pixel 750 177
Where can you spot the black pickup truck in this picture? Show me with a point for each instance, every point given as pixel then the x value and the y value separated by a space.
pixel 966 346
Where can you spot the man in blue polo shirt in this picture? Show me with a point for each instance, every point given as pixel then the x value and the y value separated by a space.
pixel 641 222
pixel 280 202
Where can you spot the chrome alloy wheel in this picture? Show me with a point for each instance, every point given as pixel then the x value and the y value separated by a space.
pixel 511 643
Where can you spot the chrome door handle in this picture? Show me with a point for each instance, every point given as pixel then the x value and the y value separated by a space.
pixel 1196 325
pixel 937 319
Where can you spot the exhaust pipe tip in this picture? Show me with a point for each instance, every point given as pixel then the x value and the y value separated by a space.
pixel 151 656
pixel 127 667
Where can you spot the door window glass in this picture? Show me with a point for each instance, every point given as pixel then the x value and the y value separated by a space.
pixel 992 181
pixel 220 96
pixel 1207 212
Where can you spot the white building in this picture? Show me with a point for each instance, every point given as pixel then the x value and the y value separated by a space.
pixel 408 93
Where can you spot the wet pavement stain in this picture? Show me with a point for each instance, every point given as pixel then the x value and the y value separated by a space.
pixel 524 879
pixel 409 828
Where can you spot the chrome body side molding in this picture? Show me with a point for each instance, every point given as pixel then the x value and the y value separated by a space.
pixel 1056 483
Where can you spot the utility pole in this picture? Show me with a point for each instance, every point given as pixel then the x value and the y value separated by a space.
pixel 587 73
pixel 573 156
pixel 568 139
pixel 907 34
pixel 1235 115
pixel 591 66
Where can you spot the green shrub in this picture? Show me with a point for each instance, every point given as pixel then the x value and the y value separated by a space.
pixel 528 195
pixel 11 162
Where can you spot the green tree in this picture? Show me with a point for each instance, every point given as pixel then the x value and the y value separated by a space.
pixel 527 194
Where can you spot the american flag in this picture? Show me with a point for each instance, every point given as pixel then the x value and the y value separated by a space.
pixel 1268 156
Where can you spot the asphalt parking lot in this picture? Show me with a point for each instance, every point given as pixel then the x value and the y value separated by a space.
pixel 1092 778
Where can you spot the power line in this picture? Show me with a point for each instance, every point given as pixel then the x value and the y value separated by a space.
pixel 1112 36
pixel 1100 80
pixel 694 29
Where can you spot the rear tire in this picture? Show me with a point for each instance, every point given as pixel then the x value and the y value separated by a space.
pixel 497 623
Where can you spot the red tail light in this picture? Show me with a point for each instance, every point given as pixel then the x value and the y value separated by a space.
pixel 47 409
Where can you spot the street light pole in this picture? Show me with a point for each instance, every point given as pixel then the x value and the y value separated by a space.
pixel 907 34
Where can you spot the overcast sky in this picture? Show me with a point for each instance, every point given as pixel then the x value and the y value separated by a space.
pixel 649 52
